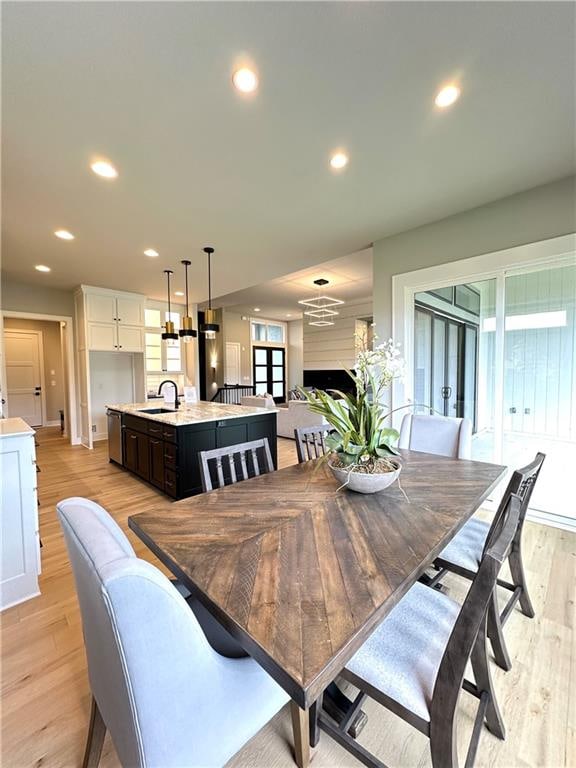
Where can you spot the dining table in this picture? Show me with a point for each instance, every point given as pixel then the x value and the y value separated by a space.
pixel 300 571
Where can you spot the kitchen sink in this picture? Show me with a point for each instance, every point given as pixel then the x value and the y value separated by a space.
pixel 156 410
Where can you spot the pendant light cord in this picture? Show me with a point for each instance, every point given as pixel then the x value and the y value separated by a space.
pixel 186 273
pixel 209 283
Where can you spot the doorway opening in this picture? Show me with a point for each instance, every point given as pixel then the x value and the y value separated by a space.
pixel 39 383
pixel 269 372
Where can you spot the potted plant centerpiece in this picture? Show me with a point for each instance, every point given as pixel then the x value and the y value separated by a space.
pixel 362 453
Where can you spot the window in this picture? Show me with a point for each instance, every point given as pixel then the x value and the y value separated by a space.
pixel 266 330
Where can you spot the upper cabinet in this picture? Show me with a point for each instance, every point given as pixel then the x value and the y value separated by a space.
pixel 123 309
pixel 114 321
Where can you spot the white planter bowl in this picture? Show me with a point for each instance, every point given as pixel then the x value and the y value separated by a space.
pixel 364 482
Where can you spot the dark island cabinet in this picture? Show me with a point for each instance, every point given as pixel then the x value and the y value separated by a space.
pixel 167 456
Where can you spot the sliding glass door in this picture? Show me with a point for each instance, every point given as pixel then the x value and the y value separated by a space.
pixel 539 408
pixel 502 351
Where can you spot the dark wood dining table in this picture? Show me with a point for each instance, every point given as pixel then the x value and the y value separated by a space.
pixel 300 573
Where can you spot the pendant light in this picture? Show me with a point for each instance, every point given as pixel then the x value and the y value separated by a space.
pixel 209 327
pixel 169 335
pixel 187 333
pixel 322 312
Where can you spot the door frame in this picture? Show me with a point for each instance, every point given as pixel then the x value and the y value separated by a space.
pixel 40 340
pixel 498 265
pixel 66 331
pixel 271 348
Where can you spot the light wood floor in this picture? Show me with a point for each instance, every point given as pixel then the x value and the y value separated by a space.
pixel 45 696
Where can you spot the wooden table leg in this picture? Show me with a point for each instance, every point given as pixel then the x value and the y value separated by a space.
pixel 301 731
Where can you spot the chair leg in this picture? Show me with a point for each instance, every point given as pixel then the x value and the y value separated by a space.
pixel 443 748
pixel 95 739
pixel 481 669
pixel 496 634
pixel 519 579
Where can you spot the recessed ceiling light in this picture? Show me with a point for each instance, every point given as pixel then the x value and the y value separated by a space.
pixel 447 96
pixel 178 293
pixel 256 309
pixel 339 160
pixel 42 268
pixel 105 169
pixel 288 315
pixel 151 252
pixel 245 80
pixel 63 234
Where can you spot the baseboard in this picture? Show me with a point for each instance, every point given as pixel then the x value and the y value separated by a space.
pixel 55 423
pixel 549 518
pixel 99 436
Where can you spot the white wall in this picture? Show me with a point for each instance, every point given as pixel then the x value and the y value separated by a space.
pixel 19 297
pixel 538 214
pixel 295 354
pixel 331 347
pixel 112 378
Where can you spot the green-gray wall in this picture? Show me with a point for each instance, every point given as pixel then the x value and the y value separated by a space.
pixel 538 214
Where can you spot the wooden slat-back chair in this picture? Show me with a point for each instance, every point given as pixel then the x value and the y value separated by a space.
pixel 464 553
pixel 235 462
pixel 310 441
pixel 414 663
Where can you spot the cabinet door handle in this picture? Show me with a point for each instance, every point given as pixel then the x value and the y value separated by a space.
pixel 133 437
pixel 120 346
pixel 154 442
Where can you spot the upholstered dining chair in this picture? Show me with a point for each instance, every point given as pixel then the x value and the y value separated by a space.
pixel 415 661
pixel 310 441
pixel 463 556
pixel 442 435
pixel 224 465
pixel 168 699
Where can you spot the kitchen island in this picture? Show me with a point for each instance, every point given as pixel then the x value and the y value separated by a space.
pixel 161 445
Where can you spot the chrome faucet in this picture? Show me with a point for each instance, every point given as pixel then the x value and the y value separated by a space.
pixel 169 381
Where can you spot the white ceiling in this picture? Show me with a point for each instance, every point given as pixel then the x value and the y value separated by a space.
pixel 148 85
pixel 349 279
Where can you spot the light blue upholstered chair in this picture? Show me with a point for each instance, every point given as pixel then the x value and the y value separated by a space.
pixel 442 435
pixel 415 660
pixel 167 698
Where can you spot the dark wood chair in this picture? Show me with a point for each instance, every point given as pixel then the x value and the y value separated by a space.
pixel 464 554
pixel 415 661
pixel 310 441
pixel 234 463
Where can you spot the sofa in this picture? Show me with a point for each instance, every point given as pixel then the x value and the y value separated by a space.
pixel 289 417
pixel 296 414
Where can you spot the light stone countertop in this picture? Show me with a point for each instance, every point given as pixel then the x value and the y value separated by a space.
pixel 15 427
pixel 191 414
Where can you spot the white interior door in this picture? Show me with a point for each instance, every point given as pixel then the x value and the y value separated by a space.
pixel 232 372
pixel 23 351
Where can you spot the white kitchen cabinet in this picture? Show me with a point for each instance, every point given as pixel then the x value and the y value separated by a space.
pixel 20 539
pixel 102 336
pixel 100 308
pixel 107 321
pixel 113 337
pixel 129 311
pixel 109 307
pixel 130 339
